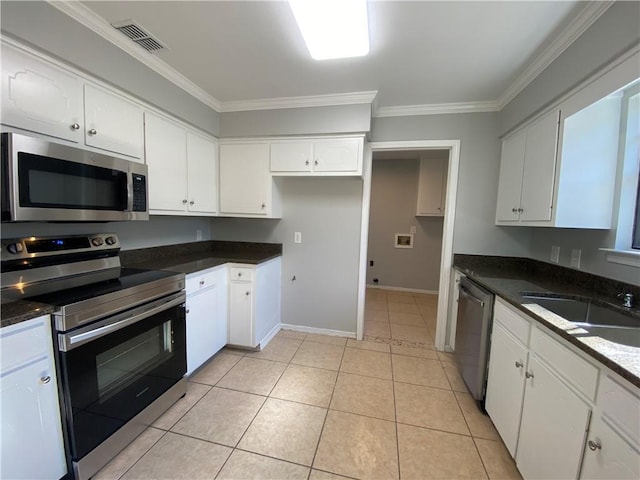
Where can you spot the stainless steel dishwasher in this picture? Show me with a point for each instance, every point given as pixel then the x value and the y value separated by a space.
pixel 473 328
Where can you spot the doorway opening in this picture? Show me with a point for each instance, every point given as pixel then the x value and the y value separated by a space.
pixel 445 149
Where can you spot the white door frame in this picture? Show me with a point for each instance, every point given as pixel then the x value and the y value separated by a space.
pixel 446 260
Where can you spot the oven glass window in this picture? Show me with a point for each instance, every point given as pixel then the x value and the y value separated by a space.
pixel 124 364
pixel 52 183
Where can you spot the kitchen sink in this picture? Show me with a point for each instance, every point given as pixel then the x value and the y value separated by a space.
pixel 595 319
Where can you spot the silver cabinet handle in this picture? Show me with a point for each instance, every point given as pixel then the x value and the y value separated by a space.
pixel 239 274
pixel 45 380
pixel 75 126
pixel 519 364
pixel 306 162
pixel 192 202
pixel 93 131
pixel 521 210
pixel 315 162
pixel 201 282
pixel 593 446
pixel 184 201
pixel 528 375
pixel 264 205
pixel 514 210
pixel 186 311
pixel 246 293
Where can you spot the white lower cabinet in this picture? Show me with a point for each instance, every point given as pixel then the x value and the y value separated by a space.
pixel 206 315
pixel 31 435
pixel 553 427
pixel 254 303
pixel 538 395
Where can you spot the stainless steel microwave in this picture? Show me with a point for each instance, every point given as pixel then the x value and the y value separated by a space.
pixel 48 182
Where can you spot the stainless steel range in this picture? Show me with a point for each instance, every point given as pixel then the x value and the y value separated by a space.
pixel 119 332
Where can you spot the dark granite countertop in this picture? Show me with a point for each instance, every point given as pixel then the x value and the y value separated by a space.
pixel 191 257
pixel 183 258
pixel 508 277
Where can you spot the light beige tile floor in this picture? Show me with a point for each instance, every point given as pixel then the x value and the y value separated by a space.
pixel 314 407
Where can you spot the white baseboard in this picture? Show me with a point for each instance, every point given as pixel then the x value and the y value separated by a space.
pixel 320 331
pixel 402 289
pixel 267 338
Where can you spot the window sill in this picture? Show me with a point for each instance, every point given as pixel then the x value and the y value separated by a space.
pixel 623 257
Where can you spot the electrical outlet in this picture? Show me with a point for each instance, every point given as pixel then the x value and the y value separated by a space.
pixel 576 255
pixel 555 254
pixel 375 280
pixel 198 234
pixel 412 229
pixel 297 237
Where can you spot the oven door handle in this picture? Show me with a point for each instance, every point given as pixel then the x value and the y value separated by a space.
pixel 69 341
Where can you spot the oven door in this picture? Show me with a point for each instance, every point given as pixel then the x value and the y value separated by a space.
pixel 115 368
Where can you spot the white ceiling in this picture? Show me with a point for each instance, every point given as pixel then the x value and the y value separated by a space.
pixel 422 52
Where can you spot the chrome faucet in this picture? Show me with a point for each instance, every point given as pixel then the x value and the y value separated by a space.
pixel 627 299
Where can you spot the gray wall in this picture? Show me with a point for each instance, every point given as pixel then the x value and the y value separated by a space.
pixel 327 212
pixel 159 230
pixel 394 190
pixel 297 121
pixel 53 32
pixel 614 32
pixel 474 229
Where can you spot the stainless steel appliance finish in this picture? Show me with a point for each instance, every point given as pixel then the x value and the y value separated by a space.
pixel 120 335
pixel 49 182
pixel 473 328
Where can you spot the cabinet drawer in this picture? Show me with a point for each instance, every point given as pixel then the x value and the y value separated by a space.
pixel 512 321
pixel 621 406
pixel 25 342
pixel 200 280
pixel 578 372
pixel 241 274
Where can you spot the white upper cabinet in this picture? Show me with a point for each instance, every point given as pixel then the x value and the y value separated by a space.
pixel 527 173
pixel 112 122
pixel 40 97
pixel 166 157
pixel 319 157
pixel 246 186
pixel 43 98
pixel 431 187
pixel 182 169
pixel 202 174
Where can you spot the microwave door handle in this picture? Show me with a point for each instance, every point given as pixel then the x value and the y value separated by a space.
pixel 129 192
pixel 70 341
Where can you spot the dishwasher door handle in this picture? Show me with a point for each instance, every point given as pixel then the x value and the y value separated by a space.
pixel 466 294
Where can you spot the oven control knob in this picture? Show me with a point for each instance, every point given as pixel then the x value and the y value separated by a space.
pixel 111 240
pixel 14 248
pixel 97 241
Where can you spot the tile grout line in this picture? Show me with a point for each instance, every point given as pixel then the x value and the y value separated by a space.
pixel 313 461
pixel 395 414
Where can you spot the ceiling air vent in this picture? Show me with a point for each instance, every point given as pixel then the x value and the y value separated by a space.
pixel 140 35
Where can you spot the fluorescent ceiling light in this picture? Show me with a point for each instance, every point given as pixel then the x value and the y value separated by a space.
pixel 333 28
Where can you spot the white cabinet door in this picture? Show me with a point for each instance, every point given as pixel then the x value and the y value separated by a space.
pixel 609 456
pixel 40 97
pixel 241 314
pixel 30 423
pixel 431 186
pixel 291 156
pixel 510 181
pixel 201 174
pixel 112 123
pixel 201 327
pixel 337 155
pixel 505 385
pixel 245 181
pixel 539 169
pixel 553 428
pixel 166 151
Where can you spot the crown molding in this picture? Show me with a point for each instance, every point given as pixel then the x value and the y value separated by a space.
pixel 300 102
pixel 587 16
pixel 436 109
pixel 100 26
